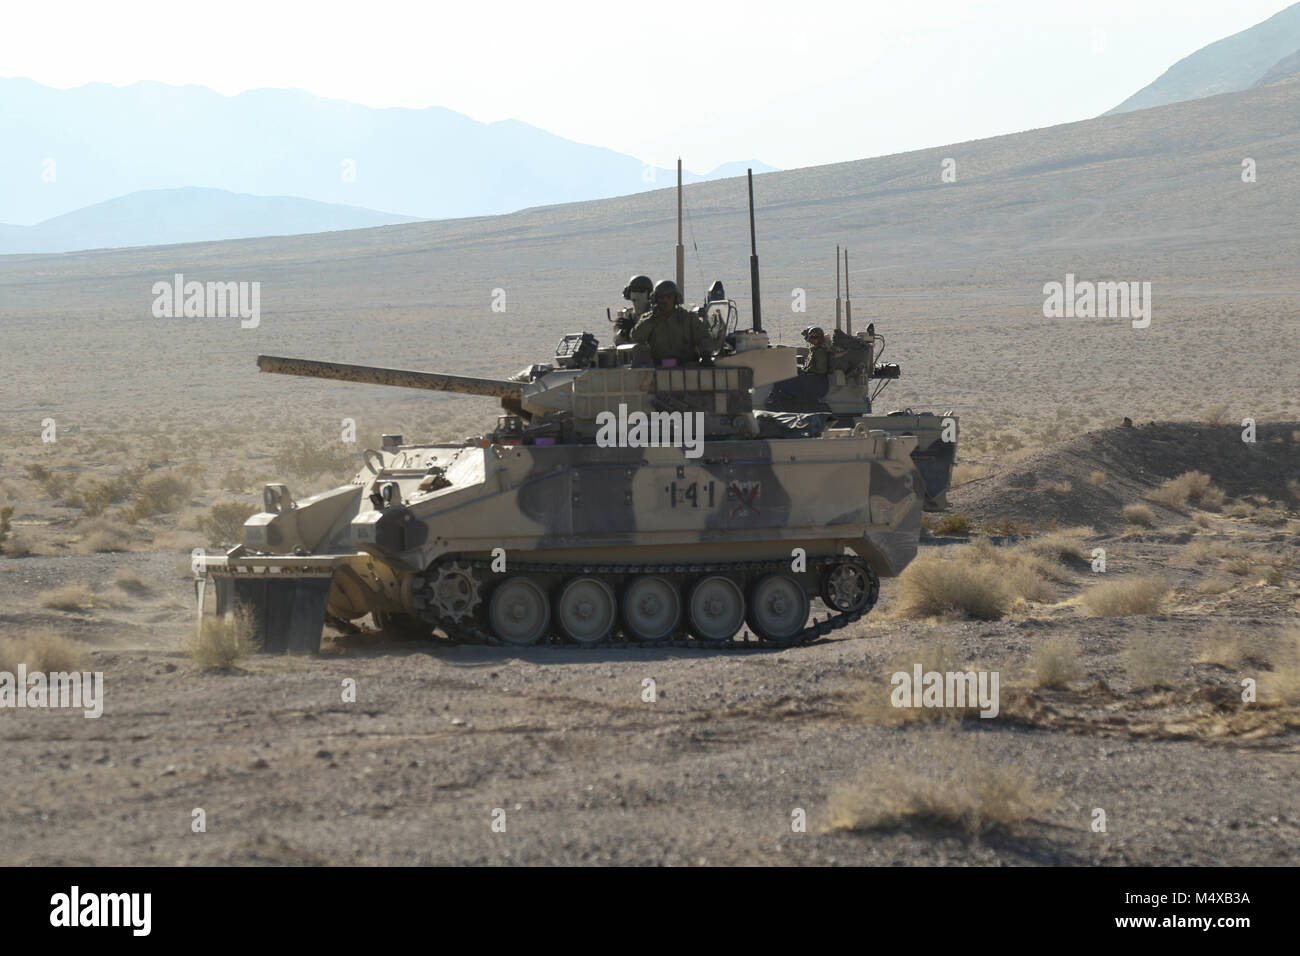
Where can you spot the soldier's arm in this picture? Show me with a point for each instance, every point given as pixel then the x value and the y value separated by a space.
pixel 821 364
pixel 641 331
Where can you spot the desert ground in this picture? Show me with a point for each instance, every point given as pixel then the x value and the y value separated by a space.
pixel 1122 689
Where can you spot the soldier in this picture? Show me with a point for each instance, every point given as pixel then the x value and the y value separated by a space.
pixel 818 359
pixel 669 331
pixel 809 387
pixel 637 291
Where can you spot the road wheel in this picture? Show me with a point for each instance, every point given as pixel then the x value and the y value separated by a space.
pixel 518 611
pixel 850 587
pixel 778 608
pixel 652 608
pixel 586 610
pixel 717 609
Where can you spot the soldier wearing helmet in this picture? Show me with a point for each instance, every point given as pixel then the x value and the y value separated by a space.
pixel 818 359
pixel 670 331
pixel 637 291
pixel 807 389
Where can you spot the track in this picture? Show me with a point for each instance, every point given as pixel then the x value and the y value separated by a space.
pixel 473 632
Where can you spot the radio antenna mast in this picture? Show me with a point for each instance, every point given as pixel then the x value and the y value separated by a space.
pixel 753 261
pixel 848 301
pixel 837 288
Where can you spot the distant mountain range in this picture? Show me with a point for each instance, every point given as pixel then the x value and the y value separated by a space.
pixel 1268 52
pixel 163 216
pixel 68 149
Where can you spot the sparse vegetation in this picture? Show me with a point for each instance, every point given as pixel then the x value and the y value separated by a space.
pixel 1216 415
pixel 1097 479
pixel 224 522
pixel 1214 586
pixel 220 643
pixel 1189 486
pixel 163 493
pixel 932 586
pixel 1069 543
pixel 306 457
pixel 948 783
pixel 953 524
pixel 70 597
pixel 1124 596
pixel 1221 644
pixel 1055 662
pixel 102 535
pixel 41 651
pixel 1281 685
pixel 1139 515
pixel 967 472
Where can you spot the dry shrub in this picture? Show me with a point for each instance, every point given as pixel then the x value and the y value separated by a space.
pixel 964 473
pixel 306 457
pixel 1211 586
pixel 1216 415
pixel 1058 487
pixel 875 706
pixel 1238 563
pixel 1212 498
pixel 1204 550
pixel 17 545
pixel 1055 662
pixel 1152 660
pixel 933 586
pixel 163 493
pixel 220 643
pixel 1221 644
pixel 6 513
pixel 1097 479
pixel 1139 515
pixel 953 524
pixel 1005 527
pixel 41 651
pixel 1027 575
pixel 1201 520
pixel 1065 544
pixel 1282 684
pixel 1293 487
pixel 70 597
pixel 224 522
pixel 946 782
pixel 1127 595
pixel 1189 486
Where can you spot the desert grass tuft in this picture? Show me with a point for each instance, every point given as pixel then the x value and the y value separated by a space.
pixel 1127 595
pixel 945 783
pixel 1139 515
pixel 42 651
pixel 1055 662
pixel 220 643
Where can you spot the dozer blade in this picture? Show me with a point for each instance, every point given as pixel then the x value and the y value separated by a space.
pixel 287 613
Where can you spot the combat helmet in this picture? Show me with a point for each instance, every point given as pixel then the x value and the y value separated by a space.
pixel 666 285
pixel 638 284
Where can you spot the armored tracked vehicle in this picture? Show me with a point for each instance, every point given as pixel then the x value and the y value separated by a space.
pixel 615 503
pixel 612 503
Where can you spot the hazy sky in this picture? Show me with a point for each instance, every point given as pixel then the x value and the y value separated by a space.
pixel 792 83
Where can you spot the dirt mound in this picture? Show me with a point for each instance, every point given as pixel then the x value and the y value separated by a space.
pixel 1059 481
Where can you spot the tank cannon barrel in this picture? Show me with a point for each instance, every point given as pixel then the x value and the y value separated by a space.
pixel 375 375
